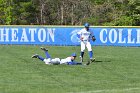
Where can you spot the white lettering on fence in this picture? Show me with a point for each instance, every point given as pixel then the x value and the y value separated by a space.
pixel 26 35
pixel 138 36
pixel 121 39
pixel 118 36
pixel 51 34
pixel 102 34
pixel 32 31
pixel 111 34
pixel 4 36
pixel 41 35
pixel 14 35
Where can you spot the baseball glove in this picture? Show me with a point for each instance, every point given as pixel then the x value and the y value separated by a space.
pixel 93 38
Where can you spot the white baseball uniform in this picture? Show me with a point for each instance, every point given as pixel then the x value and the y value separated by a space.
pixel 57 60
pixel 86 36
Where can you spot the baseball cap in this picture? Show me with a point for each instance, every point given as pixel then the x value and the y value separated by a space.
pixel 86 25
pixel 73 54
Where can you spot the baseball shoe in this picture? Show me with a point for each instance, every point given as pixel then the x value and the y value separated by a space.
pixel 92 60
pixel 44 49
pixel 81 59
pixel 35 56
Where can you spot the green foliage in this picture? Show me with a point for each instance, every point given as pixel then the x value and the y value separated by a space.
pixel 70 12
pixel 98 1
pixel 6 12
pixel 134 11
pixel 26 12
pixel 123 21
pixel 93 21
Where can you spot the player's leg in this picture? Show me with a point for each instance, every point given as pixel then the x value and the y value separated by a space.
pixel 88 45
pixel 39 57
pixel 46 52
pixel 47 61
pixel 82 51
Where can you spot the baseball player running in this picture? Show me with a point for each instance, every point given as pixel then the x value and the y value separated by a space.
pixel 56 61
pixel 85 36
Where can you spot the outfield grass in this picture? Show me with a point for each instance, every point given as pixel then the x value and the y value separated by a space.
pixel 116 70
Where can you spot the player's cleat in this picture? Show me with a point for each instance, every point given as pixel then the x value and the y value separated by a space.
pixel 81 59
pixel 92 60
pixel 35 56
pixel 44 49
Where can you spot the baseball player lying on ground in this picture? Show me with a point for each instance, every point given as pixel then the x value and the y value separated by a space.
pixel 56 61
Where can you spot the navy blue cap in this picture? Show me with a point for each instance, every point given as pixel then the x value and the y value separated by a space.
pixel 86 25
pixel 73 54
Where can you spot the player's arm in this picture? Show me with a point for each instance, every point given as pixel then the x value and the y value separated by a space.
pixel 74 63
pixel 79 35
pixel 92 37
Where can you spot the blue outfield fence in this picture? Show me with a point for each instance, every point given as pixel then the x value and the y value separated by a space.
pixel 66 35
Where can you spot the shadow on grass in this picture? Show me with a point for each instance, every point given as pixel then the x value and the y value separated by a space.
pixel 99 61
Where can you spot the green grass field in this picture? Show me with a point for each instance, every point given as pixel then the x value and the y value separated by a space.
pixel 116 70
